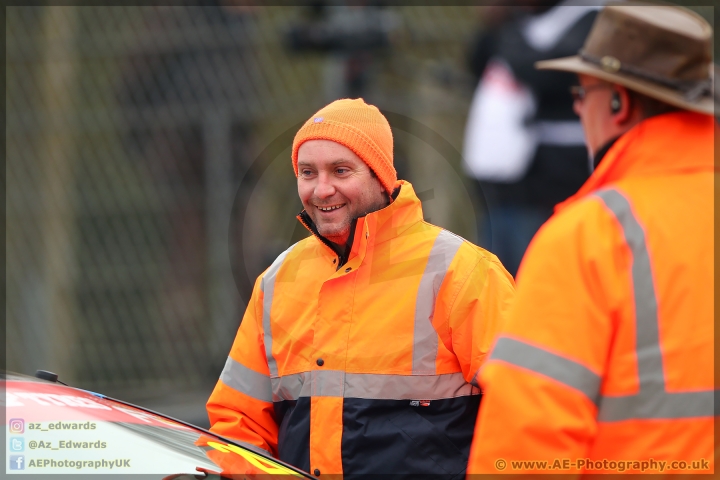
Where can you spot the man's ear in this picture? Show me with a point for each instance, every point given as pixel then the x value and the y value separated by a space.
pixel 621 105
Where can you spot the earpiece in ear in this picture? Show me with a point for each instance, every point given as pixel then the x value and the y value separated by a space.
pixel 615 102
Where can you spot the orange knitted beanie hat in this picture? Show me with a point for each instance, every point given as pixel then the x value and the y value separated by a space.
pixel 358 126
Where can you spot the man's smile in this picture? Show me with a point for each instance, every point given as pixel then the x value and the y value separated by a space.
pixel 329 208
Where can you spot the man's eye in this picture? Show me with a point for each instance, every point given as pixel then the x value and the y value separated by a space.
pixel 305 173
pixel 342 170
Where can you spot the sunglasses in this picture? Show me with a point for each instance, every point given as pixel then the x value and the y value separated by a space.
pixel 579 93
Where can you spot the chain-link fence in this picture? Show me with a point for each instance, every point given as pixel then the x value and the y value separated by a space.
pixel 148 171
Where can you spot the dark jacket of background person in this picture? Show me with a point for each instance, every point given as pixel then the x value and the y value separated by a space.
pixel 554 163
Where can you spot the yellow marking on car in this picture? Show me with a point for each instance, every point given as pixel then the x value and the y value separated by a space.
pixel 257 460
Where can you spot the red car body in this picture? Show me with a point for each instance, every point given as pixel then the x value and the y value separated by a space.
pixel 53 428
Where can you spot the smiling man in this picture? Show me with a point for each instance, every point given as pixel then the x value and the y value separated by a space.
pixel 359 348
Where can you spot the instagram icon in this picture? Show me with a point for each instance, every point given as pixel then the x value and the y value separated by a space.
pixel 17 425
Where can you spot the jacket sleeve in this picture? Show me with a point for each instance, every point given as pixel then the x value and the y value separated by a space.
pixel 240 406
pixel 542 379
pixel 476 306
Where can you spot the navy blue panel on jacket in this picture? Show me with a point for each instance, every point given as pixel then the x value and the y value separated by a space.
pixel 405 440
pixel 293 416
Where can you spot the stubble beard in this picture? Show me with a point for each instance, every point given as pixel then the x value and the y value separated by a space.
pixel 339 232
pixel 335 232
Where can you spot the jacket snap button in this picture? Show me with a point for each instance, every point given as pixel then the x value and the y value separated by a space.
pixel 320 362
pixel 316 472
pixel 348 269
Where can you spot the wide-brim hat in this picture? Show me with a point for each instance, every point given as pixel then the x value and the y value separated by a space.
pixel 662 51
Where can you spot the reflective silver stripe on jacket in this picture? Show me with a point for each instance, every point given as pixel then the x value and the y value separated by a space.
pixel 652 401
pixel 267 285
pixel 539 360
pixel 371 386
pixel 253 384
pixel 425 338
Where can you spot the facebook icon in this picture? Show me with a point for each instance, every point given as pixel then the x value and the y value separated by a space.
pixel 17 462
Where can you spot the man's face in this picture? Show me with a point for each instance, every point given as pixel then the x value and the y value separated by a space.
pixel 594 112
pixel 336 187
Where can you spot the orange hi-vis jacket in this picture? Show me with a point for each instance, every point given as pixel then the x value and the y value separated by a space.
pixel 606 363
pixel 366 368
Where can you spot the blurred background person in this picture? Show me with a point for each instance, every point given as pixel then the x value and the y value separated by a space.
pixel 523 144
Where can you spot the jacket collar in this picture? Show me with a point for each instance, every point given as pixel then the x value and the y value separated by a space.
pixel 671 143
pixel 602 152
pixel 376 227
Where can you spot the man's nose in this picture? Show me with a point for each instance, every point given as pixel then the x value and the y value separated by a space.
pixel 324 187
